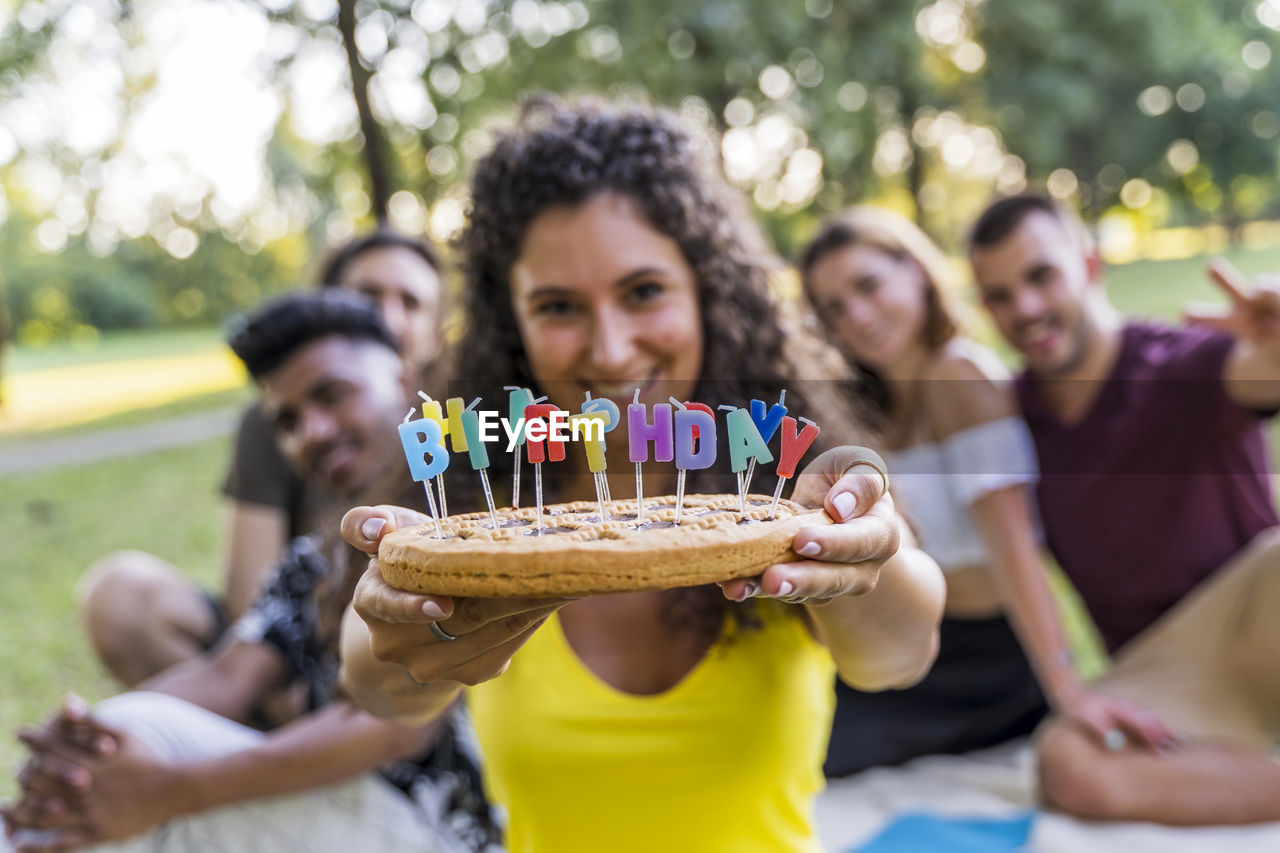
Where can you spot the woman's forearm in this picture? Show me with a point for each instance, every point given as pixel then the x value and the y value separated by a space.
pixel 1022 581
pixel 888 637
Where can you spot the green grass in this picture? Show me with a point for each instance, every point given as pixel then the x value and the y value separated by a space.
pixel 1163 288
pixel 53 526
pixel 112 346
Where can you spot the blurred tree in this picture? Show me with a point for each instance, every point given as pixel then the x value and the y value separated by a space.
pixel 1121 91
pixel 375 110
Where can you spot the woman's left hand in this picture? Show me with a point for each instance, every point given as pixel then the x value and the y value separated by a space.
pixel 843 558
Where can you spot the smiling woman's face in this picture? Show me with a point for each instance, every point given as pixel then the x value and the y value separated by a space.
pixel 606 304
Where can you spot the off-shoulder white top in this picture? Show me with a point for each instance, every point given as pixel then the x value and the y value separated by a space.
pixel 935 484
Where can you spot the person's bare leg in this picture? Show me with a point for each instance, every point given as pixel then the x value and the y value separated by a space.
pixel 1195 785
pixel 143 615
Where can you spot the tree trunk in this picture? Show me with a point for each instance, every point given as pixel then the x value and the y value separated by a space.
pixel 374 147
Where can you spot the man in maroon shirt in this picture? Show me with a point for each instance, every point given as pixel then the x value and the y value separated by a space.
pixel 1156 500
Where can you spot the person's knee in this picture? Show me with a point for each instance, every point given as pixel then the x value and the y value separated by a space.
pixel 1074 776
pixel 129 600
pixel 119 588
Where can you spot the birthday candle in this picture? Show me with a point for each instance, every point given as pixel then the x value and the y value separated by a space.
pixel 695 427
pixel 794 445
pixel 606 406
pixel 640 433
pixel 478 455
pixel 476 451
pixel 700 407
pixel 595 451
pixel 457 437
pixel 610 409
pixel 517 399
pixel 767 423
pixel 422 439
pixel 745 441
pixel 431 411
pixel 537 448
pixel 593 446
pixel 746 445
pixel 689 424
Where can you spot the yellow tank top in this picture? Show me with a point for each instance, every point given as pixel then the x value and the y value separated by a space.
pixel 727 760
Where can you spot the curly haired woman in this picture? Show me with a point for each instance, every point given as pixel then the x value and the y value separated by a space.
pixel 601 257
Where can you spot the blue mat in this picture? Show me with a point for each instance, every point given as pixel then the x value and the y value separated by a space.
pixel 932 833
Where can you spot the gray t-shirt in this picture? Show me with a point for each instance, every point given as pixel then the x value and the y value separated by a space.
pixel 259 474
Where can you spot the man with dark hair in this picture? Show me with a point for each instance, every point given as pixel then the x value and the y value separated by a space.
pixel 1156 501
pixel 172 764
pixel 143 614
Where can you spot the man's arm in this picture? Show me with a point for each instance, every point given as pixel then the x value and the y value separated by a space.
pixel 1252 371
pixel 256 534
pixel 229 681
pixel 327 746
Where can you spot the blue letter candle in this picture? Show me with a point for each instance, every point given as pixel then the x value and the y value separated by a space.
pixel 423 438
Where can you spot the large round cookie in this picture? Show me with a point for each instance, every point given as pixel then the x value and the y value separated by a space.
pixel 575 554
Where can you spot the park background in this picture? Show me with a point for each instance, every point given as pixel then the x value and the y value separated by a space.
pixel 167 163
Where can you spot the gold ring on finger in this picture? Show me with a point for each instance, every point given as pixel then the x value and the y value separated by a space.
pixel 875 463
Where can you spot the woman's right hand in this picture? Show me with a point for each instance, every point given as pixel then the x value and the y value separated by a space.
pixel 488 631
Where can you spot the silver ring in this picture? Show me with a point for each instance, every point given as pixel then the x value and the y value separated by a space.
pixel 1114 740
pixel 795 599
pixel 441 633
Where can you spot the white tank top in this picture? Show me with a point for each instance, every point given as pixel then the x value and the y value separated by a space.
pixel 935 484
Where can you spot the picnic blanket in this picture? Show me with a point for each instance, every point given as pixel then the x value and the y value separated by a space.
pixel 984 802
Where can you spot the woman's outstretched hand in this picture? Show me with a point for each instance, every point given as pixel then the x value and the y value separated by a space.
pixel 843 558
pixel 414 630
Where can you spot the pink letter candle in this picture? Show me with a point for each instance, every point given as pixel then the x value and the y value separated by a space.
pixel 700 407
pixel 536 447
pixel 794 444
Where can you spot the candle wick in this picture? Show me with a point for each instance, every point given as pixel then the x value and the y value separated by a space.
pixel 726 408
pixel 677 403
pixel 472 404
pixel 636 397
pixel 425 396
pixel 807 421
pixel 408 417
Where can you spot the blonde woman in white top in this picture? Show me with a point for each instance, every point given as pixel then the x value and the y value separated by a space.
pixel 962 464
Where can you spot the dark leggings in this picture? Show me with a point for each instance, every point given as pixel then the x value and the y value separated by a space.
pixel 981 691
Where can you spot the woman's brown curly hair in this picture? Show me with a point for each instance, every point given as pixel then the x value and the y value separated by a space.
pixel 562 155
